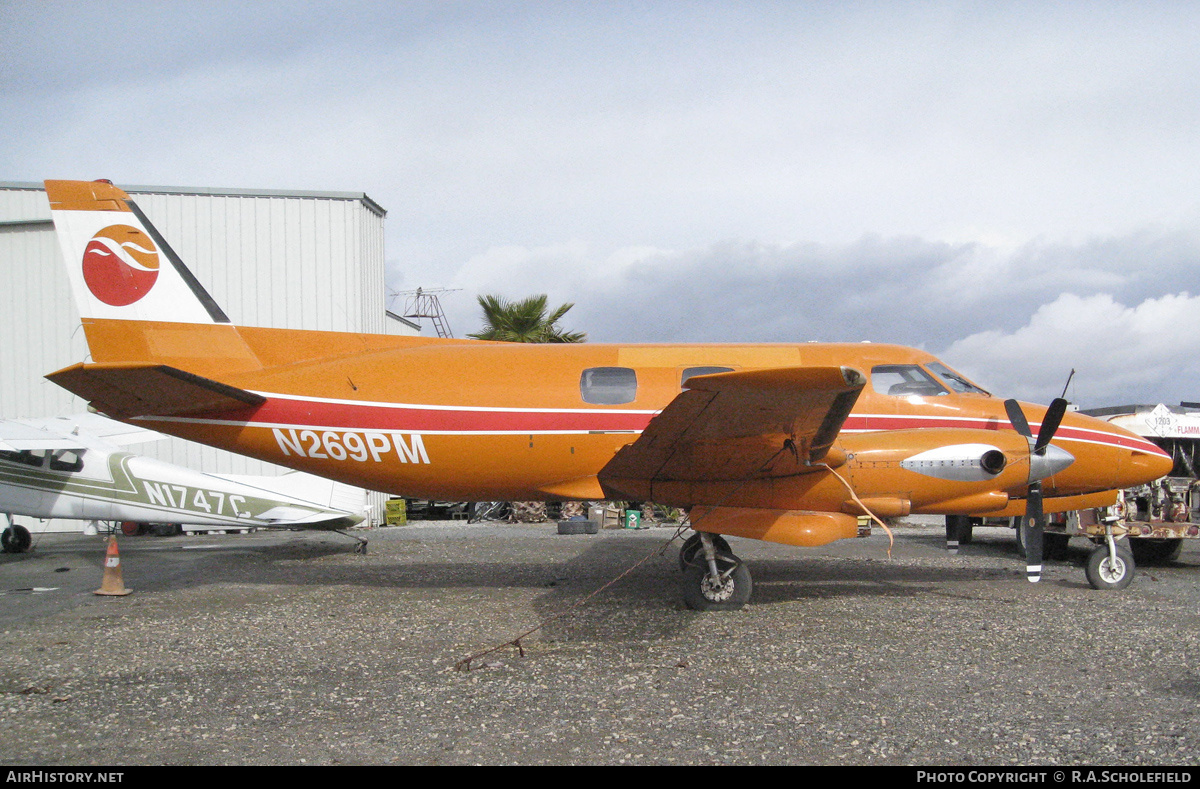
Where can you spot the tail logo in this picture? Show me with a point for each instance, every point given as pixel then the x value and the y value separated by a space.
pixel 120 265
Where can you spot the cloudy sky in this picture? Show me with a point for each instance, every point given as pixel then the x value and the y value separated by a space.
pixel 1013 186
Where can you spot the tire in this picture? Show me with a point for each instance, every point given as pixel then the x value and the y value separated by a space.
pixel 1148 551
pixel 572 527
pixel 1103 575
pixel 691 549
pixel 958 530
pixel 16 539
pixel 699 593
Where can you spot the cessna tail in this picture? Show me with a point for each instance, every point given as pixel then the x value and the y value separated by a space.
pixel 788 443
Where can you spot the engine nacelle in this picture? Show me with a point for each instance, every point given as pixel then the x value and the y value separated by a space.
pixel 959 462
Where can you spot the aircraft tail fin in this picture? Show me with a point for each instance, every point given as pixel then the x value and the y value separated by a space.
pixel 119 264
pixel 138 301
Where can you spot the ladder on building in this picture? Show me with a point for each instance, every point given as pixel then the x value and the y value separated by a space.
pixel 424 303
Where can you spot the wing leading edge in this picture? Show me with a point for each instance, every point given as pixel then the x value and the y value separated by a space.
pixel 736 426
pixel 77 431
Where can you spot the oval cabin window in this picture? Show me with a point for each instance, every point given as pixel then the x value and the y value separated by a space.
pixel 608 385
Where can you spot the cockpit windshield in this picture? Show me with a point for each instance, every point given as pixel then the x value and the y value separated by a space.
pixel 955 380
pixel 905 379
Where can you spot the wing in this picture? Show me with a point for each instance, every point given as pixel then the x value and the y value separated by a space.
pixel 78 428
pixel 127 390
pixel 735 426
pixel 17 437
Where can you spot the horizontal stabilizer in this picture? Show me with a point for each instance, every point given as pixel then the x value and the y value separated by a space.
pixel 130 390
pixel 307 489
pixel 295 517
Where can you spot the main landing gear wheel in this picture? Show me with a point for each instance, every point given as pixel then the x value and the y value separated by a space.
pixel 1104 573
pixel 691 549
pixel 729 591
pixel 958 531
pixel 16 539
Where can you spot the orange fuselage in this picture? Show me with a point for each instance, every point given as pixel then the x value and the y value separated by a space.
pixel 469 420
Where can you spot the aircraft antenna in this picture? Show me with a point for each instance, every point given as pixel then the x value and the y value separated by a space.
pixel 424 303
pixel 1069 377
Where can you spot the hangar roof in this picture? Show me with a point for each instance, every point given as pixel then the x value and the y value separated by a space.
pixel 222 192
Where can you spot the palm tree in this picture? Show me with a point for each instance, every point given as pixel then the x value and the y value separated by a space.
pixel 523 321
pixel 527 321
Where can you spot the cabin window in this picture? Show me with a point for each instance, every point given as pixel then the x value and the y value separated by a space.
pixel 30 458
pixel 954 380
pixel 66 460
pixel 608 385
pixel 691 372
pixel 905 379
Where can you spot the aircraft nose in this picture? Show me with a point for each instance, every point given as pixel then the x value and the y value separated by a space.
pixel 1109 456
pixel 1141 460
pixel 1145 465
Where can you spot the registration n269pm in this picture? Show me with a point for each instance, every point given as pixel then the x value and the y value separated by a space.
pixel 351 445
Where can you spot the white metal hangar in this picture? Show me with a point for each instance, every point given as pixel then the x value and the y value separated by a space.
pixel 298 260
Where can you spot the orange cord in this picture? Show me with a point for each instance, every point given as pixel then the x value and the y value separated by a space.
pixel 866 509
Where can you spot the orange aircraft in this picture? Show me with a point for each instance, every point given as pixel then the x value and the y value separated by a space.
pixel 787 443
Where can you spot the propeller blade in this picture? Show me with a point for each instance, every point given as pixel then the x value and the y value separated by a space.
pixel 1050 423
pixel 1017 418
pixel 1033 528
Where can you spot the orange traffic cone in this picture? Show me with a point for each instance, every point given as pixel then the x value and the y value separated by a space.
pixel 112 583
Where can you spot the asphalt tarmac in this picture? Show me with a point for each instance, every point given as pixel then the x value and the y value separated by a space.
pixel 291 648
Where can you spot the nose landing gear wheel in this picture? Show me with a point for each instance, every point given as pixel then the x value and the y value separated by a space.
pixel 729 591
pixel 1104 573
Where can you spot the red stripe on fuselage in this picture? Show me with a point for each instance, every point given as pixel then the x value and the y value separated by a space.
pixel 287 411
pixel 877 422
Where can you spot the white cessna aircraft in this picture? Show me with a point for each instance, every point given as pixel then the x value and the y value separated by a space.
pixel 74 467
